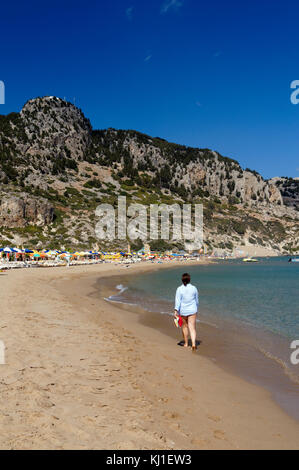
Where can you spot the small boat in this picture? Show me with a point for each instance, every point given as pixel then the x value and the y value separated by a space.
pixel 294 260
pixel 250 260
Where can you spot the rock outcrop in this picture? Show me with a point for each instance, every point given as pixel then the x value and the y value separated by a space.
pixel 196 170
pixel 19 211
pixel 289 190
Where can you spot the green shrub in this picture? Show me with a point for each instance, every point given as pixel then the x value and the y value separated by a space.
pixel 94 183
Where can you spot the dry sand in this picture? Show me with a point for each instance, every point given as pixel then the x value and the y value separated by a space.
pixel 82 373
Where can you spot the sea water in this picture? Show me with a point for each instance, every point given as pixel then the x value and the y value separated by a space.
pixel 252 310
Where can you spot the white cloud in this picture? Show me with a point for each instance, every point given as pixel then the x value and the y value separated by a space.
pixel 171 4
pixel 148 58
pixel 129 13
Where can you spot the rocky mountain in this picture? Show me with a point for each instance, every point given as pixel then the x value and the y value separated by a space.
pixel 55 169
pixel 289 189
pixel 185 170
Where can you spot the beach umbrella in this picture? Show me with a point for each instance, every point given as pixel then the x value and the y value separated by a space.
pixel 17 250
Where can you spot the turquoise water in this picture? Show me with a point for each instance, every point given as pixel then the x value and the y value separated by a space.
pixel 263 295
pixel 250 315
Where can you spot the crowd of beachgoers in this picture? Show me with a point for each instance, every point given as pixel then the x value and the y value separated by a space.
pixel 22 258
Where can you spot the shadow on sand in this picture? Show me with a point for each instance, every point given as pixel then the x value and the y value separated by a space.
pixel 181 343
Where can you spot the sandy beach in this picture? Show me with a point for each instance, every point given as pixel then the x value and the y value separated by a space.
pixel 82 373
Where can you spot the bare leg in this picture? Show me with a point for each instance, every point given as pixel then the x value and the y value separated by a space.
pixel 185 331
pixel 192 329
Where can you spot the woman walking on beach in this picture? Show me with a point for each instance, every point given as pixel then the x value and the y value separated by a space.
pixel 186 305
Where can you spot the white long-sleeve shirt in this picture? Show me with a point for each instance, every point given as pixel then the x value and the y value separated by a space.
pixel 186 300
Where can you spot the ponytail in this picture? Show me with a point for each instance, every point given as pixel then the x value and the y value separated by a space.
pixel 186 279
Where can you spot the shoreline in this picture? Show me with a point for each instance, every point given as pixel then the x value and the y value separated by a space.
pixel 81 374
pixel 241 349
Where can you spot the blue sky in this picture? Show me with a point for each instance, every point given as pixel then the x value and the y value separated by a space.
pixel 206 74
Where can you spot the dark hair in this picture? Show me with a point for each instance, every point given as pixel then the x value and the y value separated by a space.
pixel 186 278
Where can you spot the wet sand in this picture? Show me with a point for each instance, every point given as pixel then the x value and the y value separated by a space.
pixel 82 373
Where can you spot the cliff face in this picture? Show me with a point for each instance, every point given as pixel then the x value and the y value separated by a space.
pixel 54 129
pixel 196 170
pixel 289 189
pixel 48 137
pixel 55 170
pixel 23 210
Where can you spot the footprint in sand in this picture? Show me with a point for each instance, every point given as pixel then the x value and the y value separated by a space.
pixel 127 445
pixel 216 419
pixel 44 402
pixel 163 400
pixel 177 376
pixel 171 414
pixel 198 442
pixel 185 397
pixel 218 434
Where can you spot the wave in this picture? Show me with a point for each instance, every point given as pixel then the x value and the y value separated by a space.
pixel 117 298
pixel 111 299
pixel 121 288
pixel 286 369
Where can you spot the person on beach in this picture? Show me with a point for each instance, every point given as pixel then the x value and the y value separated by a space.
pixel 186 305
